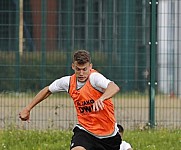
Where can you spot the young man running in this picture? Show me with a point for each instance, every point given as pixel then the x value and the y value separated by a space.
pixel 91 93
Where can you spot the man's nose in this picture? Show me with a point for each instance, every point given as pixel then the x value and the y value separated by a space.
pixel 81 72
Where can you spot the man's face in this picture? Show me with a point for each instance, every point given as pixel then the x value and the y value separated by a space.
pixel 82 71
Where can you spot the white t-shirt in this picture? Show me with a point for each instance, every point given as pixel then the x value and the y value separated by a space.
pixel 97 80
pixel 124 145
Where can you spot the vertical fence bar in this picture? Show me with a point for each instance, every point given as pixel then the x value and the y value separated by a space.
pixel 69 40
pixel 86 24
pixel 126 44
pixel 21 27
pixel 17 46
pixel 100 24
pixel 114 28
pixel 90 26
pixel 152 64
pixel 43 41
pixel 109 36
pixel 109 21
pixel 73 25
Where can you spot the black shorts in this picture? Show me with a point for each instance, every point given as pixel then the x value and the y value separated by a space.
pixel 90 142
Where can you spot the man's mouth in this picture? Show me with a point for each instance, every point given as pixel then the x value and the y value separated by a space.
pixel 81 78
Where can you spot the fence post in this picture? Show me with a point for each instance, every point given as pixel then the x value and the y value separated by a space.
pixel 17 46
pixel 90 26
pixel 43 41
pixel 152 43
pixel 109 34
pixel 69 33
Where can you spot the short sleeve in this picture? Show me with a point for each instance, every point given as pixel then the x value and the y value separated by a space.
pixel 60 85
pixel 98 81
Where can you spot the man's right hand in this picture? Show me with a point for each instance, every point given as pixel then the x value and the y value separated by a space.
pixel 24 115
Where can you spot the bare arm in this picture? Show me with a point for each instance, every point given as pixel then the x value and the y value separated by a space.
pixel 25 113
pixel 110 91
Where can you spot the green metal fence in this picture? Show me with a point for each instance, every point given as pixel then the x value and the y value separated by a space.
pixel 134 43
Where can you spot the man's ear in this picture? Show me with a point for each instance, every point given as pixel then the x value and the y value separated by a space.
pixel 73 66
pixel 90 66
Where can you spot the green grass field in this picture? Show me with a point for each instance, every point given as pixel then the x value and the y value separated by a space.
pixel 161 139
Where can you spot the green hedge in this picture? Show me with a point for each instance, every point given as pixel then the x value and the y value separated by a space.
pixel 33 70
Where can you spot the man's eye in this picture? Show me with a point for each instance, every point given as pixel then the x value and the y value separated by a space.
pixel 84 69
